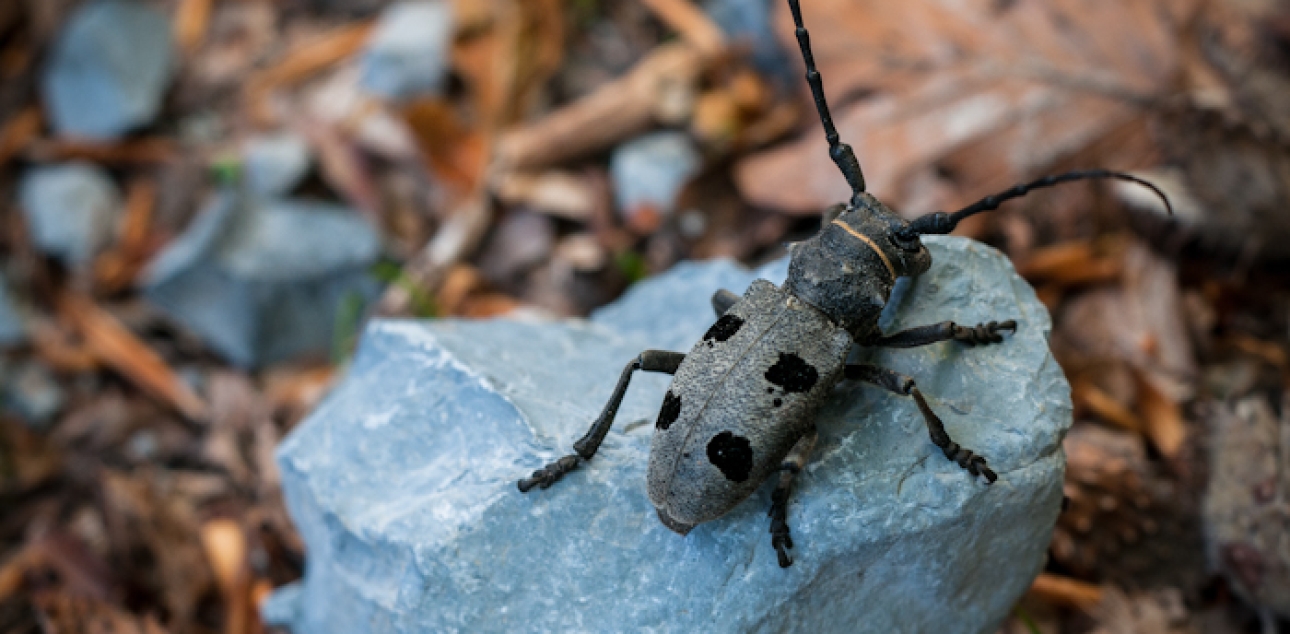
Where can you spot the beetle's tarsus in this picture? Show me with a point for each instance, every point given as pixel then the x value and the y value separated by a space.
pixel 984 334
pixel 550 474
pixel 980 334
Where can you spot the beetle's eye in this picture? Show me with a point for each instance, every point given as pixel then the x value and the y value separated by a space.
pixel 904 242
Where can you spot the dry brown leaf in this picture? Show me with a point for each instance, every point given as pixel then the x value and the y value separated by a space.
pixel 18 132
pixel 62 614
pixel 192 19
pixel 692 23
pixel 130 152
pixel 935 76
pixel 304 62
pixel 1065 591
pixel 116 269
pixel 121 350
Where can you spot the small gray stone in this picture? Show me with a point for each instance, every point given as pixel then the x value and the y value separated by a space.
pixel 272 165
pixel 71 210
pixel 264 280
pixel 403 482
pixel 407 55
pixel 109 69
pixel 650 171
pixel 32 392
pixel 748 22
pixel 13 329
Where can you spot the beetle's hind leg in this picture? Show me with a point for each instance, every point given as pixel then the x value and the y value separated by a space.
pixel 901 384
pixel 793 463
pixel 983 334
pixel 586 447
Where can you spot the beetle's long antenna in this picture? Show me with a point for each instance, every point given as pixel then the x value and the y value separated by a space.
pixel 840 152
pixel 941 222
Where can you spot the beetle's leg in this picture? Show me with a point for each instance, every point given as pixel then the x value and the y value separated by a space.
pixel 793 463
pixel 902 384
pixel 722 300
pixel 585 448
pixel 983 334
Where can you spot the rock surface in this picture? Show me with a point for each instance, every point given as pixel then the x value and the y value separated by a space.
pixel 263 280
pixel 403 482
pixel 273 164
pixel 407 55
pixel 108 72
pixel 71 210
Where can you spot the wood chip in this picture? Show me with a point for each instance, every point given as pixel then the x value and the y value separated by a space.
pixel 120 349
pixel 1065 591
pixel 1162 418
pixel 692 23
pixel 192 19
pixel 18 132
pixel 116 269
pixel 661 88
pixel 1105 406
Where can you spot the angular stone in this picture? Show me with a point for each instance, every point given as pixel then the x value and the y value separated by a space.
pixel 403 482
pixel 650 171
pixel 407 55
pixel 71 210
pixel 109 69
pixel 272 165
pixel 265 280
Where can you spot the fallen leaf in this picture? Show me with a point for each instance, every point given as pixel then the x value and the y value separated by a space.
pixel 912 82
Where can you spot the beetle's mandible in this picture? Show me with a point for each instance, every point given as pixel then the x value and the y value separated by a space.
pixel 741 406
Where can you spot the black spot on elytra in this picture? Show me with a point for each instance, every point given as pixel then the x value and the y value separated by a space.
pixel 731 454
pixel 777 402
pixel 670 410
pixel 725 328
pixel 792 373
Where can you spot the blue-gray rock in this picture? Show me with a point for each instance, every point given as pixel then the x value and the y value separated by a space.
pixel 407 55
pixel 272 165
pixel 749 23
pixel 403 481
pixel 32 393
pixel 13 328
pixel 265 280
pixel 650 171
pixel 71 210
pixel 108 71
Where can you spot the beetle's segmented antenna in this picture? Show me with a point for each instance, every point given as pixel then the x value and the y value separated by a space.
pixel 941 222
pixel 841 153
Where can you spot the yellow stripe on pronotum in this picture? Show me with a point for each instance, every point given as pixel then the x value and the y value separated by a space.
pixel 865 239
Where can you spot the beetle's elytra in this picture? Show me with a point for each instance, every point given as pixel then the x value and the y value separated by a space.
pixel 741 406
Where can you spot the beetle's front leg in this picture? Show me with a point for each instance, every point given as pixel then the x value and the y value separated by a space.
pixel 985 333
pixel 797 457
pixel 586 447
pixel 901 384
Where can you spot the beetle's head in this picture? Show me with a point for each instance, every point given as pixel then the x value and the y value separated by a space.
pixel 868 226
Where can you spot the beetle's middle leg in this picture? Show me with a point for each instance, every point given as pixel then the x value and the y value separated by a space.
pixel 586 447
pixel 985 333
pixel 901 384
pixel 793 463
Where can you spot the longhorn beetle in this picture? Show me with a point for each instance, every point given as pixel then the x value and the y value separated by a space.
pixel 741 406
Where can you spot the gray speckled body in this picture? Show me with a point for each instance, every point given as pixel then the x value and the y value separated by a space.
pixel 723 387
